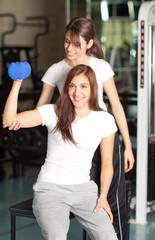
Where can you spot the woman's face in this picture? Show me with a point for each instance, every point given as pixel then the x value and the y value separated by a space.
pixel 79 91
pixel 75 52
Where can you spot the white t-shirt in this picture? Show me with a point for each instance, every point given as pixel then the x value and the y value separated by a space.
pixel 57 73
pixel 65 162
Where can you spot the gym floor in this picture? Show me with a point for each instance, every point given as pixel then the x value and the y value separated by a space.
pixel 14 190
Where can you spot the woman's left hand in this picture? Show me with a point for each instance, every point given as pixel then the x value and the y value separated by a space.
pixel 128 160
pixel 103 203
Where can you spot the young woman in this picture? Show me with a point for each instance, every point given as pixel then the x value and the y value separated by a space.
pixel 76 126
pixel 82 47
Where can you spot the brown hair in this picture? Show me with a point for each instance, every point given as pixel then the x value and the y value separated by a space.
pixel 84 27
pixel 64 108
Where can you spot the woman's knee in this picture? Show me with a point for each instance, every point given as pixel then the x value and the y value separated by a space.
pixel 54 234
pixel 104 230
pixel 53 230
pixel 102 234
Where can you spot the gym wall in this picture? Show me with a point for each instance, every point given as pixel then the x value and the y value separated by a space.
pixel 50 46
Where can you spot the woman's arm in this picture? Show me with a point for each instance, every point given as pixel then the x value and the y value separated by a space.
pixel 119 114
pixel 46 95
pixel 45 98
pixel 106 150
pixel 28 118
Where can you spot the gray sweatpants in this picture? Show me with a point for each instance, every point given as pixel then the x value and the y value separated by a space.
pixel 53 203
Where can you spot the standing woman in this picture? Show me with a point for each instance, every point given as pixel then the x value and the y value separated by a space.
pixel 82 47
pixel 76 126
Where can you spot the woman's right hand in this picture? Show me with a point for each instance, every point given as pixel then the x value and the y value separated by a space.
pixel 14 126
pixel 103 203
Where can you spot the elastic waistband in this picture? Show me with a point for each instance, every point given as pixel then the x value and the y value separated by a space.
pixel 41 185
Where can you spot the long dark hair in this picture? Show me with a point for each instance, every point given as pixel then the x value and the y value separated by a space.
pixel 64 108
pixel 84 27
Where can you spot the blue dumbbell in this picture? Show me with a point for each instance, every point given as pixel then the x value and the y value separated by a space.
pixel 19 70
pixel 28 68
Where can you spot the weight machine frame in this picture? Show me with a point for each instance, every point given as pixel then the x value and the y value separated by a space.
pixel 146 77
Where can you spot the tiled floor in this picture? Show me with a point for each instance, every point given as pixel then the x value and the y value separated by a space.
pixel 15 190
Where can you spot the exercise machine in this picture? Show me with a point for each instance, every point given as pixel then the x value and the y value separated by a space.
pixel 145 178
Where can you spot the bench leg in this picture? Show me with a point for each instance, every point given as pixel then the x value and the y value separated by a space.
pixel 13 226
pixel 84 235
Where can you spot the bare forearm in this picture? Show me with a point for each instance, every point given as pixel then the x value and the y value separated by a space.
pixel 106 150
pixel 105 180
pixel 122 125
pixel 10 109
pixel 46 95
pixel 119 114
pixel 118 111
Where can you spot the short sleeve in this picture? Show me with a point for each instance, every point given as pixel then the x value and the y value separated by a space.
pixel 108 125
pixel 102 69
pixel 48 115
pixel 108 73
pixel 49 76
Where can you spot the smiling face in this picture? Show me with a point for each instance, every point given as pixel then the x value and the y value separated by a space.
pixel 76 51
pixel 79 92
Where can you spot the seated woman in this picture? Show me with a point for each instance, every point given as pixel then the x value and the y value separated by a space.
pixel 76 126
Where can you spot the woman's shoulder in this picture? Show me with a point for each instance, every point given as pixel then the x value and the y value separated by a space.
pixel 105 122
pixel 101 68
pixel 103 115
pixel 98 61
pixel 55 73
pixel 48 115
pixel 49 108
pixel 57 65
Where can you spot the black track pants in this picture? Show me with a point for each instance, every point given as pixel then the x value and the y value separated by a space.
pixel 117 191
